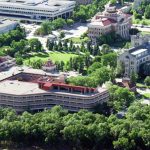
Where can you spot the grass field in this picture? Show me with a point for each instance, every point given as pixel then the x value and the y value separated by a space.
pixel 54 56
pixel 79 40
pixel 146 95
pixel 142 21
pixel 145 33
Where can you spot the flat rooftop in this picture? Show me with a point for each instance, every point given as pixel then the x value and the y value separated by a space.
pixel 16 70
pixel 19 88
pixel 139 51
pixel 38 4
pixel 27 82
pixel 5 22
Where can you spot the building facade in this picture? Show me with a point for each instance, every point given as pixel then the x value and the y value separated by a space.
pixel 110 20
pixel 7 25
pixel 34 92
pixel 139 39
pixel 83 2
pixel 6 62
pixel 134 57
pixel 36 9
pixel 49 66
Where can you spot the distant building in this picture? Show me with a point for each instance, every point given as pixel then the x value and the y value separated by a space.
pixel 134 57
pixel 7 25
pixel 126 83
pixel 49 66
pixel 83 2
pixel 111 20
pixel 29 91
pixel 6 62
pixel 139 39
pixel 137 3
pixel 36 10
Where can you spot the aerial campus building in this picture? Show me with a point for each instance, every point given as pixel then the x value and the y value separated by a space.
pixel 110 20
pixel 83 2
pixel 6 62
pixel 39 10
pixel 25 91
pixel 7 25
pixel 134 57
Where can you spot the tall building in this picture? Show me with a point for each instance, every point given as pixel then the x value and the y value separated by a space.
pixel 110 20
pixel 36 10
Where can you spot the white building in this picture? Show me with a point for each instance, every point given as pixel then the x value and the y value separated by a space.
pixel 7 25
pixel 36 9
pixel 111 20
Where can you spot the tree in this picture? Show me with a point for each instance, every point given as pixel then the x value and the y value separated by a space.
pixel 69 22
pixel 134 77
pixel 62 35
pixel 137 15
pixel 94 66
pixel 105 49
pixel 37 64
pixel 35 45
pixel 46 28
pixel 113 1
pixel 147 81
pixel 133 31
pixel 109 60
pixel 122 143
pixel 58 23
pixel 120 68
pixel 147 12
pixel 19 60
pixel 120 98
pixel 145 69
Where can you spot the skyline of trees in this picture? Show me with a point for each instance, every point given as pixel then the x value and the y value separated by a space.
pixel 81 130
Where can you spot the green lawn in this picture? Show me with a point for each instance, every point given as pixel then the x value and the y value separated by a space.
pixel 79 40
pixel 145 33
pixel 54 56
pixel 146 95
pixel 142 21
pixel 141 85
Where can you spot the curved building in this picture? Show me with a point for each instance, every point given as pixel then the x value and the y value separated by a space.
pixel 34 92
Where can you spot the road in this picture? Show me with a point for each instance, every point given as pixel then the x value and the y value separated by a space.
pixel 141 27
